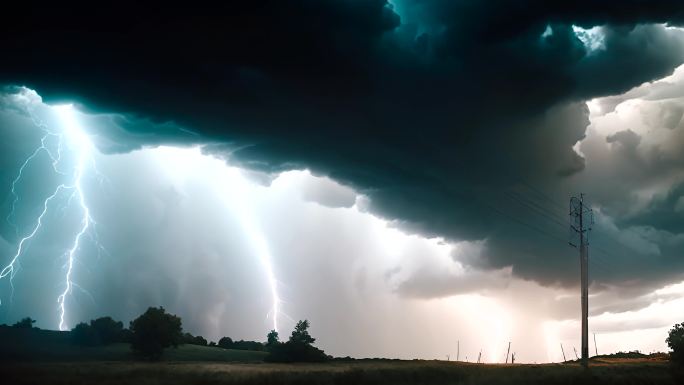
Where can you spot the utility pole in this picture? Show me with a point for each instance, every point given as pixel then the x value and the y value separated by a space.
pixel 573 348
pixel 458 349
pixel 582 220
pixel 479 356
pixel 563 351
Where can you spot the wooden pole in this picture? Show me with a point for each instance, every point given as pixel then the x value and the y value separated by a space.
pixel 507 352
pixel 563 351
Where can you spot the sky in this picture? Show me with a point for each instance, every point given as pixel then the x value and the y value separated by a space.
pixel 396 172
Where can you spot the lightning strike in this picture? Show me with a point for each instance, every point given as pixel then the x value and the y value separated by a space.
pixel 264 254
pixel 235 188
pixel 43 148
pixel 82 146
pixel 237 192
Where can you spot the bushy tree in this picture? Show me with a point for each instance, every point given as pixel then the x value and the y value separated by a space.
pixel 154 331
pixel 298 348
pixel 108 330
pixel 675 340
pixel 272 339
pixel 100 331
pixel 25 323
pixel 225 342
pixel 228 343
pixel 85 335
pixel 300 334
pixel 194 340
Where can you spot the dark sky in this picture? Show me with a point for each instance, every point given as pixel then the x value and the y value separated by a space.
pixel 462 120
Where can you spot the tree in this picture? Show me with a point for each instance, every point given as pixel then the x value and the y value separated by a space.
pixel 301 335
pixel 193 340
pixel 25 323
pixel 226 343
pixel 108 330
pixel 154 331
pixel 85 335
pixel 272 339
pixel 298 348
pixel 675 340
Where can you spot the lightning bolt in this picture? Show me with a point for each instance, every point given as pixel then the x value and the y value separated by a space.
pixel 43 148
pixel 236 190
pixel 263 252
pixel 238 194
pixel 82 146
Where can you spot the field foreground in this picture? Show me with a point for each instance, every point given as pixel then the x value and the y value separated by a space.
pixel 360 372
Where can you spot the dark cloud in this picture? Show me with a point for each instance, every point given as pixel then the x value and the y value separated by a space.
pixel 436 110
pixel 664 212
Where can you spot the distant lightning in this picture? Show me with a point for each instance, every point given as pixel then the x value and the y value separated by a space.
pixel 262 250
pixel 236 190
pixel 81 145
pixel 239 195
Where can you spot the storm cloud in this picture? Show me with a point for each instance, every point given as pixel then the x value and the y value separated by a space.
pixel 462 120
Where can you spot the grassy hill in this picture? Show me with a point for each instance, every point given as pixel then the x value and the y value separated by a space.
pixel 50 345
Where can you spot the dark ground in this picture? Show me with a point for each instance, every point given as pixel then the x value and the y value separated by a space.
pixel 359 372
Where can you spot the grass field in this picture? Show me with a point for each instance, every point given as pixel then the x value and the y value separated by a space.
pixel 122 352
pixel 49 345
pixel 48 357
pixel 359 372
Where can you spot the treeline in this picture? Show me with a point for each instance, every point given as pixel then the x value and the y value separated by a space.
pixel 224 342
pixel 156 330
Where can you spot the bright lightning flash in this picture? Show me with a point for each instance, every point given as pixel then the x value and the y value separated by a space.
pixel 73 138
pixel 238 192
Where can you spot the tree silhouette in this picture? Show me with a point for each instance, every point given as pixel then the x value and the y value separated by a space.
pixel 272 339
pixel 300 335
pixel 194 340
pixel 85 335
pixel 25 323
pixel 154 331
pixel 108 330
pixel 226 343
pixel 298 348
pixel 675 340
